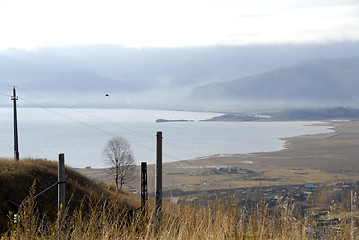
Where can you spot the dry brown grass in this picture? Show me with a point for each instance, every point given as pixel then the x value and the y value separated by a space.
pixel 17 178
pixel 223 220
pixel 98 214
pixel 105 219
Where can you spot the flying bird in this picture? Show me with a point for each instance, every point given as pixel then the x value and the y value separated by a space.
pixel 106 95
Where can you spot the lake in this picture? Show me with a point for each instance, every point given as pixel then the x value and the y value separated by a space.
pixel 82 134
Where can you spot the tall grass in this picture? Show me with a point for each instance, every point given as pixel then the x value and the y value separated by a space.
pixel 106 220
pixel 101 214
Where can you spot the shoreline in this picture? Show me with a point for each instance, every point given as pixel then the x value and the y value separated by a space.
pixel 317 158
pixel 286 145
pixel 284 139
pixel 321 157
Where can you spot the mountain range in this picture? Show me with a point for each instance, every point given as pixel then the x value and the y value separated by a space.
pixel 314 82
pixel 181 78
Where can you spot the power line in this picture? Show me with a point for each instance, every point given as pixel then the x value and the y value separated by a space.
pixel 87 114
pixel 99 129
pixel 106 121
pixel 82 122
pixel 4 94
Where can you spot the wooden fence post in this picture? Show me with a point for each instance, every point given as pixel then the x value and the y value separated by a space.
pixel 61 204
pixel 143 188
pixel 158 207
pixel 351 215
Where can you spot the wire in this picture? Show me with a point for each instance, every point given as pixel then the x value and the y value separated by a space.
pixel 48 188
pixel 106 121
pixel 82 123
pixel 87 114
pixel 5 94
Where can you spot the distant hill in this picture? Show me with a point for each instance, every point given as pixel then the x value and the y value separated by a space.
pixel 148 77
pixel 316 82
pixel 292 115
pixel 316 114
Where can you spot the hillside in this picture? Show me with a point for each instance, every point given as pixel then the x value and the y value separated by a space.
pixel 293 114
pixel 17 178
pixel 100 215
pixel 316 114
pixel 314 82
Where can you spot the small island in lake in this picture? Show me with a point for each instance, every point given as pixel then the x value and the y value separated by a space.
pixel 169 120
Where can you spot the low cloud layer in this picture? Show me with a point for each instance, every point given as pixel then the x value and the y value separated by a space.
pixel 81 76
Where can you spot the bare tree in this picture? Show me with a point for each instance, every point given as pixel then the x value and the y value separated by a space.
pixel 119 157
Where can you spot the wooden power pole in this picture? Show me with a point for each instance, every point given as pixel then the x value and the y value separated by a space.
pixel 158 207
pixel 16 140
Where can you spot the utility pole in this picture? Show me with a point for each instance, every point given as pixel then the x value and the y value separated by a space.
pixel 158 207
pixel 16 140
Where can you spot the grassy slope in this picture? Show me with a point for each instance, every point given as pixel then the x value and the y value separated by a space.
pixel 101 215
pixel 17 177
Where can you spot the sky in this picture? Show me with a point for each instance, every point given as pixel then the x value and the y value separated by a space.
pixel 29 24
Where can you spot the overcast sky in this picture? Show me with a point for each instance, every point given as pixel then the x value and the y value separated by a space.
pixel 170 23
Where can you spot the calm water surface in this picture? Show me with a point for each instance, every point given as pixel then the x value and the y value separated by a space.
pixel 82 134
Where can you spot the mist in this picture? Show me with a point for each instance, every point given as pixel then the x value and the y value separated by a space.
pixel 149 78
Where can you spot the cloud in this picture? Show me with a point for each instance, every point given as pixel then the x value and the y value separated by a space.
pixel 160 23
pixel 164 80
pixel 301 25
